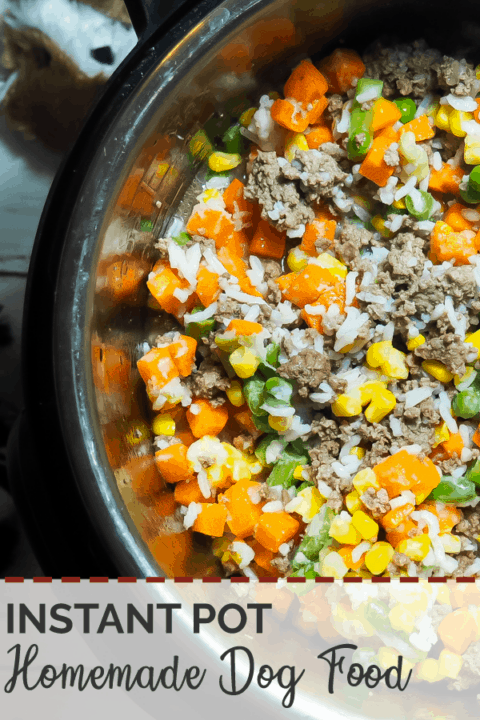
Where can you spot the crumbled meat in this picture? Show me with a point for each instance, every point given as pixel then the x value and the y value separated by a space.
pixel 335 105
pixel 272 270
pixel 309 368
pixel 209 380
pixel 228 308
pixel 376 501
pixel 335 501
pixel 334 150
pixel 456 76
pixel 470 525
pixel 391 157
pixel 320 174
pixel 399 560
pixel 281 563
pixel 404 69
pixel 448 349
pixel 352 239
pixel 245 443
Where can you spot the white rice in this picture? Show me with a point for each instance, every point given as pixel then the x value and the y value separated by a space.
pixel 213 263
pixel 465 104
pixel 358 551
pixel 397 222
pixel 369 94
pixel 395 426
pixel 252 313
pixel 444 411
pixel 245 552
pixel 470 215
pixel 194 510
pixel 350 287
pixel 274 451
pixel 426 225
pixel 273 507
pixel 202 315
pixel 412 449
pixel 343 125
pixel 405 190
pixel 415 397
pixel 279 411
pixel 406 497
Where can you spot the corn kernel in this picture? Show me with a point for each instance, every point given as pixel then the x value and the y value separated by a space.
pixel 162 169
pixel 468 373
pixel 367 527
pixel 457 117
pixel 441 434
pixel 442 118
pixel 137 433
pixel 451 543
pixel 235 394
pixel 365 479
pixel 337 268
pixel 353 502
pixel 449 664
pixel 311 503
pixel 437 370
pixel 474 339
pixel 220 161
pixel 381 405
pixel 297 260
pixel 294 140
pixel 163 425
pixel 333 566
pixel 399 204
pixel 244 362
pixel 343 531
pixel 347 405
pixel 429 670
pixel 210 194
pixel 401 618
pixel 390 360
pixel 415 342
pixel 378 557
pixel 415 548
pixel 280 424
pixel 297 473
pixel 378 223
pixel 247 116
pixel 358 451
pixel 471 153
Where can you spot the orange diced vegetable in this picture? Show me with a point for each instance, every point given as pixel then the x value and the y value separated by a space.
pixel 165 504
pixel 267 241
pixel 308 285
pixel 476 437
pixel 244 419
pixel 188 491
pixel 445 244
pixel 448 515
pixel 476 113
pixel 421 128
pixel 385 113
pixel 237 266
pixel 374 166
pixel 173 465
pixel 346 553
pixel 332 296
pixel 455 219
pixel 393 518
pixel 157 367
pixel 340 68
pixel 236 203
pixel 458 630
pixel 183 354
pixel 446 180
pixel 244 327
pixel 263 557
pixel 208 420
pixel 402 532
pixel 125 276
pixel 274 529
pixel 210 223
pixel 284 281
pixel 211 520
pixel 208 288
pixel 306 84
pixel 317 135
pixel 317 229
pixel 143 475
pixel 453 446
pixel 293 116
pixel 236 243
pixel 162 286
pixel 403 471
pixel 111 368
pixel 242 514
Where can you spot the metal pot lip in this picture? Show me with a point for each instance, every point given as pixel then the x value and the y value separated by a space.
pixel 80 187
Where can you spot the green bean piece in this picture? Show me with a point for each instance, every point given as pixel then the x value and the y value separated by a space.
pixel 473 472
pixel 233 140
pixel 305 484
pixel 201 328
pixel 474 180
pixel 273 351
pixel 306 571
pixel 253 390
pixel 454 490
pixel 263 445
pixel 358 144
pixel 366 84
pixel 282 472
pixel 428 201
pixel 407 107
pixel 261 423
pixel 470 196
pixel 182 239
pixel 467 403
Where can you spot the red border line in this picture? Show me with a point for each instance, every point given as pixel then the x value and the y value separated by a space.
pixel 13 579
pixel 465 579
pixel 155 579
pixel 127 579
pixel 213 579
pixel 42 579
pixel 437 579
pixel 380 579
pixel 325 579
pixel 268 579
pixel 70 579
pixel 99 579
pixel 184 579
pixel 353 580
pixel 239 579
pixel 209 580
pixel 409 579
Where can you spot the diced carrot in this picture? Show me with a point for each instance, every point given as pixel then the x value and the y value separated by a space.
pixel 162 286
pixel 125 276
pixel 314 231
pixel 445 244
pixel 421 128
pixel 448 515
pixel 385 113
pixel 236 203
pixel 143 475
pixel 453 446
pixel 308 285
pixel 209 223
pixel 333 296
pixel 263 557
pixel 476 437
pixel 242 514
pixel 208 288
pixel 208 420
pixel 244 327
pixel 455 219
pixel 374 166
pixel 393 518
pixel 111 368
pixel 267 241
pixel 165 504
pixel 237 266
pixel 403 471
pixel 284 281
pixel 244 419
pixel 182 428
pixel 236 243
pixel 157 367
pixel 274 529
pixel 183 354
pixel 211 520
pixel 458 630
pixel 187 492
pixel 173 465
pixel 346 553
pixel 130 187
pixel 446 180
pixel 476 113
pixel 317 135
pixel 174 552
pixel 306 84
pixel 293 116
pixel 340 68
pixel 402 532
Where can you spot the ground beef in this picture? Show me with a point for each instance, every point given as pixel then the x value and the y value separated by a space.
pixel 309 368
pixel 448 349
pixel 281 563
pixel 404 69
pixel 319 175
pixel 272 270
pixel 209 380
pixel 335 105
pixel 456 76
pixel 377 439
pixel 391 157
pixel 376 501
pixel 245 443
pixel 465 559
pixel 470 525
pixel 352 239
pixel 228 308
pixel 335 501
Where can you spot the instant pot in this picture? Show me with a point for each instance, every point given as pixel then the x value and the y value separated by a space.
pixel 82 437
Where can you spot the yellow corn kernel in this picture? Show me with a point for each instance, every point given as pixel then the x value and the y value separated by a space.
pixel 247 116
pixel 449 664
pixel 471 153
pixel 333 566
pixel 437 370
pixel 415 548
pixel 382 403
pixel 429 670
pixel 353 502
pixel 137 433
pixel 378 557
pixel 367 527
pixel 280 424
pixel 218 475
pixel 442 118
pixel 415 342
pixel 358 451
pixel 294 140
pixel 451 543
pixel 163 425
pixel 244 362
pixel 378 223
pixel 235 394
pixel 399 204
pixel 311 503
pixel 220 161
pixel 441 434
pixel 162 169
pixel 297 473
pixel 337 268
pixel 365 479
pixel 210 194
pixel 390 360
pixel 343 531
pixel 297 260
pixel 457 117
pixel 347 405
pixel 468 373
pixel 474 339
pixel 401 618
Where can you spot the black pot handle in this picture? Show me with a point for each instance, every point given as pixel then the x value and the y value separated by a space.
pixel 148 15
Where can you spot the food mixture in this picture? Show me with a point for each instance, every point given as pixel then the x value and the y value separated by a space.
pixel 315 407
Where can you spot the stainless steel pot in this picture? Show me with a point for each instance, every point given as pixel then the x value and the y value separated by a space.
pixel 73 453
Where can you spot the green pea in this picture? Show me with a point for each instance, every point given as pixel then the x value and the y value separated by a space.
pixel 407 107
pixel 474 179
pixel 454 490
pixel 470 196
pixel 467 403
pixel 473 472
pixel 424 214
pixel 182 239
